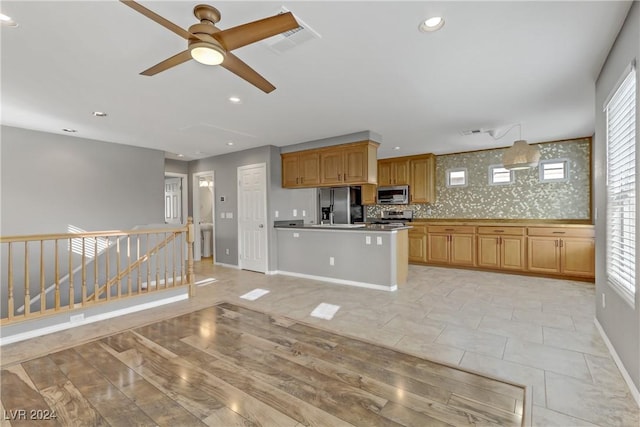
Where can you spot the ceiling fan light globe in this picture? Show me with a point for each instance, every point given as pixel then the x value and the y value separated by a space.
pixel 207 54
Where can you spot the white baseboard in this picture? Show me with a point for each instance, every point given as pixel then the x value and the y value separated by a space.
pixel 91 319
pixel 627 378
pixel 391 288
pixel 221 264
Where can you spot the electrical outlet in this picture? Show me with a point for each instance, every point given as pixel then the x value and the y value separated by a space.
pixel 304 213
pixel 378 240
pixel 296 234
pixel 367 240
pixel 277 214
pixel 226 251
pixel 604 301
pixel 229 215
pixel 295 212
pixel 222 215
pixel 332 261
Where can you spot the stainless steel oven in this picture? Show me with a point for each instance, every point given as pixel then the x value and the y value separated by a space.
pixel 394 195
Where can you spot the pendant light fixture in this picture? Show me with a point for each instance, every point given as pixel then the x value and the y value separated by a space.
pixel 521 155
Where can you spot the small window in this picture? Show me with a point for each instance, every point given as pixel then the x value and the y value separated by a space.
pixel 457 177
pixel 499 175
pixel 554 170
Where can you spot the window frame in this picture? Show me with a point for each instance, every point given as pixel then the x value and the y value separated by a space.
pixel 448 177
pixel 620 269
pixel 566 168
pixel 492 168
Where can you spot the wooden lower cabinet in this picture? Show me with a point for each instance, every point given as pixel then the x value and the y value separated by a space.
pixel 569 256
pixel 502 248
pixel 566 251
pixel 451 245
pixel 418 244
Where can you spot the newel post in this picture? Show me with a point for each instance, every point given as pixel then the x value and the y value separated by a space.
pixel 190 240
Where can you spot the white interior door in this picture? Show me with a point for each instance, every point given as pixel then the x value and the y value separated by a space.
pixel 252 217
pixel 173 200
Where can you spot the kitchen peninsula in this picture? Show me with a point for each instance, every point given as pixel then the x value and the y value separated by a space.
pixel 370 256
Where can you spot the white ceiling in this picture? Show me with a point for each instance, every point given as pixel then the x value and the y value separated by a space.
pixel 491 65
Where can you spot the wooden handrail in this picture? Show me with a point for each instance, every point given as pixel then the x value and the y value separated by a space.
pixel 169 267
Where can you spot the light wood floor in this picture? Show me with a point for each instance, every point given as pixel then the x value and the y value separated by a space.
pixel 227 365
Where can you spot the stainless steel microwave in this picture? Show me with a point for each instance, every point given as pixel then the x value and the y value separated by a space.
pixel 393 195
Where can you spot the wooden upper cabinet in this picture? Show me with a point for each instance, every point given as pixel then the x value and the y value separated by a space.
pixel 338 165
pixel 422 182
pixel 369 194
pixel 393 171
pixel 331 167
pixel 301 169
pixel 309 168
pixel 349 164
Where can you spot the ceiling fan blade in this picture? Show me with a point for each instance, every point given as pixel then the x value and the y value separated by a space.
pixel 178 59
pixel 157 18
pixel 252 32
pixel 239 68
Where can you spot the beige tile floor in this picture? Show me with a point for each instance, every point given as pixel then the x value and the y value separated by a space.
pixel 533 331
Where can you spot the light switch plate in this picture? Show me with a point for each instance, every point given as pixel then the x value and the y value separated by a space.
pixel 295 212
pixel 367 240
pixel 378 240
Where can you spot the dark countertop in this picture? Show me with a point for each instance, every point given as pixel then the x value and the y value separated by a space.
pixel 342 227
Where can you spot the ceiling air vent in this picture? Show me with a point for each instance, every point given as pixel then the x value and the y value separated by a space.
pixel 292 38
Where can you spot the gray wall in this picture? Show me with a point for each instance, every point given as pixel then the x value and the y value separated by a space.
pixel 50 181
pixel 225 169
pixel 526 198
pixel 620 321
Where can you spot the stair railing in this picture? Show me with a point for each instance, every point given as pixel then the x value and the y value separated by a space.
pixel 128 263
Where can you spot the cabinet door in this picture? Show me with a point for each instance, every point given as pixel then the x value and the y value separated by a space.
pixel 290 177
pixel 355 164
pixel 369 194
pixel 400 172
pixel 489 251
pixel 463 249
pixel 309 169
pixel 438 248
pixel 512 253
pixel 422 182
pixel 417 247
pixel 543 255
pixel 577 257
pixel 331 167
pixel 384 172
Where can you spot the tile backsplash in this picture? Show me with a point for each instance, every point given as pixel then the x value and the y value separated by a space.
pixel 526 198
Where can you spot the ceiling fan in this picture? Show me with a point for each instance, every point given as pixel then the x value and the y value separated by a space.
pixel 209 45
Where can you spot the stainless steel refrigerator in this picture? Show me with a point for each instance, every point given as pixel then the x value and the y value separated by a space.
pixel 341 203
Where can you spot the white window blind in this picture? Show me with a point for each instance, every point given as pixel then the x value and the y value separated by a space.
pixel 621 186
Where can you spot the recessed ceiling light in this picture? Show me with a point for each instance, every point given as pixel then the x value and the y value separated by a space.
pixel 431 24
pixel 230 143
pixel 396 148
pixel 99 114
pixel 69 130
pixel 235 100
pixel 7 21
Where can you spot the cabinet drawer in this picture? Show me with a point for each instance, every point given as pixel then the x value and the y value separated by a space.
pixel 417 229
pixel 510 231
pixel 561 232
pixel 462 229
